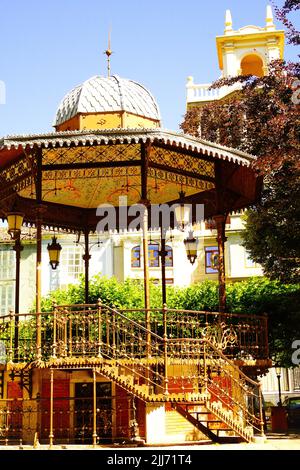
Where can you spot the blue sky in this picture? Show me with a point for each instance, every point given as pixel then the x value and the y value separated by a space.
pixel 47 47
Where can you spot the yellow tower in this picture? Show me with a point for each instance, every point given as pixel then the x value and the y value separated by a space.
pixel 249 50
pixel 246 51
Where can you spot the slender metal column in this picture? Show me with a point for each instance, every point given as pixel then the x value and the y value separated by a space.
pixel 39 211
pixel 51 435
pixel 165 338
pixel 17 248
pixel 38 283
pixel 94 409
pixel 146 259
pixel 86 257
pixel 220 223
pixel 145 151
pixel 163 254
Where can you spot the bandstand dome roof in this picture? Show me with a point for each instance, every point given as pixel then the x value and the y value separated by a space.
pixel 107 94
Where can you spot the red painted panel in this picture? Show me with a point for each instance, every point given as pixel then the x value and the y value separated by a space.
pixel 178 385
pixel 220 383
pixel 122 413
pixel 61 414
pixel 15 407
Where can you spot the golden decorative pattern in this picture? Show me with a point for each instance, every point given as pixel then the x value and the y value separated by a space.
pixel 180 161
pixel 88 188
pixel 92 154
pixel 180 180
pixel 17 176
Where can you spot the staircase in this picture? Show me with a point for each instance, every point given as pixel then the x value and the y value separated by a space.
pixel 169 357
pixel 148 391
pixel 200 382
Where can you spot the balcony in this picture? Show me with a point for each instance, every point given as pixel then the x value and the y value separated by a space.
pixel 202 93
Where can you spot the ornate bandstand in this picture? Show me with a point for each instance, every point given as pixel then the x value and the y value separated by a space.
pixel 91 373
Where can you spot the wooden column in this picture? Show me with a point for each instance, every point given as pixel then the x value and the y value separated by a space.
pixel 38 291
pixel 221 239
pixel 163 264
pixel 94 409
pixel 17 248
pixel 145 149
pixel 146 259
pixel 86 257
pixel 51 433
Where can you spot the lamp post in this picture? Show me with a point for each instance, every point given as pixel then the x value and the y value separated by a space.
pixel 278 373
pixel 15 221
pixel 54 250
pixel 87 246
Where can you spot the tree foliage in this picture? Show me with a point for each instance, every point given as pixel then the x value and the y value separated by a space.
pixel 273 226
pixel 263 119
pixel 282 13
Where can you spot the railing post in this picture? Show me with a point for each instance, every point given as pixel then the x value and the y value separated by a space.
pixel 54 331
pixel 165 339
pixel 94 409
pixel 51 435
pixel 266 348
pixel 261 417
pixel 99 315
pixel 113 332
pixel 11 335
pixel 204 367
pixel 70 349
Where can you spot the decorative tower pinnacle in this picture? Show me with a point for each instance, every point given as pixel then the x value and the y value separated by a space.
pixel 108 53
pixel 270 19
pixel 228 22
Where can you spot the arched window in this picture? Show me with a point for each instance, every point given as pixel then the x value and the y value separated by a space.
pixel 252 64
pixel 136 257
pixel 153 254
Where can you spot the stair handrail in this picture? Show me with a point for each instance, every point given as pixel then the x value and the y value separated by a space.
pixel 250 418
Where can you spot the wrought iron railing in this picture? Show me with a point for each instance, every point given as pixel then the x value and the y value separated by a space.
pixel 237 335
pixel 234 396
pixel 95 330
pixel 24 421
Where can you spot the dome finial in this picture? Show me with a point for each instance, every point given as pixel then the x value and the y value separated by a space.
pixel 108 53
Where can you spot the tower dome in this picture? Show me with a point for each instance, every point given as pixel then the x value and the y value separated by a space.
pixel 106 103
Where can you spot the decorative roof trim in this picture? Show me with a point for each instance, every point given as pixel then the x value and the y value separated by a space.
pixel 125 136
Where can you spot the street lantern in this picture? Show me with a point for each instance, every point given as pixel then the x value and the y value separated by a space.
pixel 191 244
pixel 54 250
pixel 278 373
pixel 182 211
pixel 15 221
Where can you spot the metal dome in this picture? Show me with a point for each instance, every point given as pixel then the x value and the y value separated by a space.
pixel 107 94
